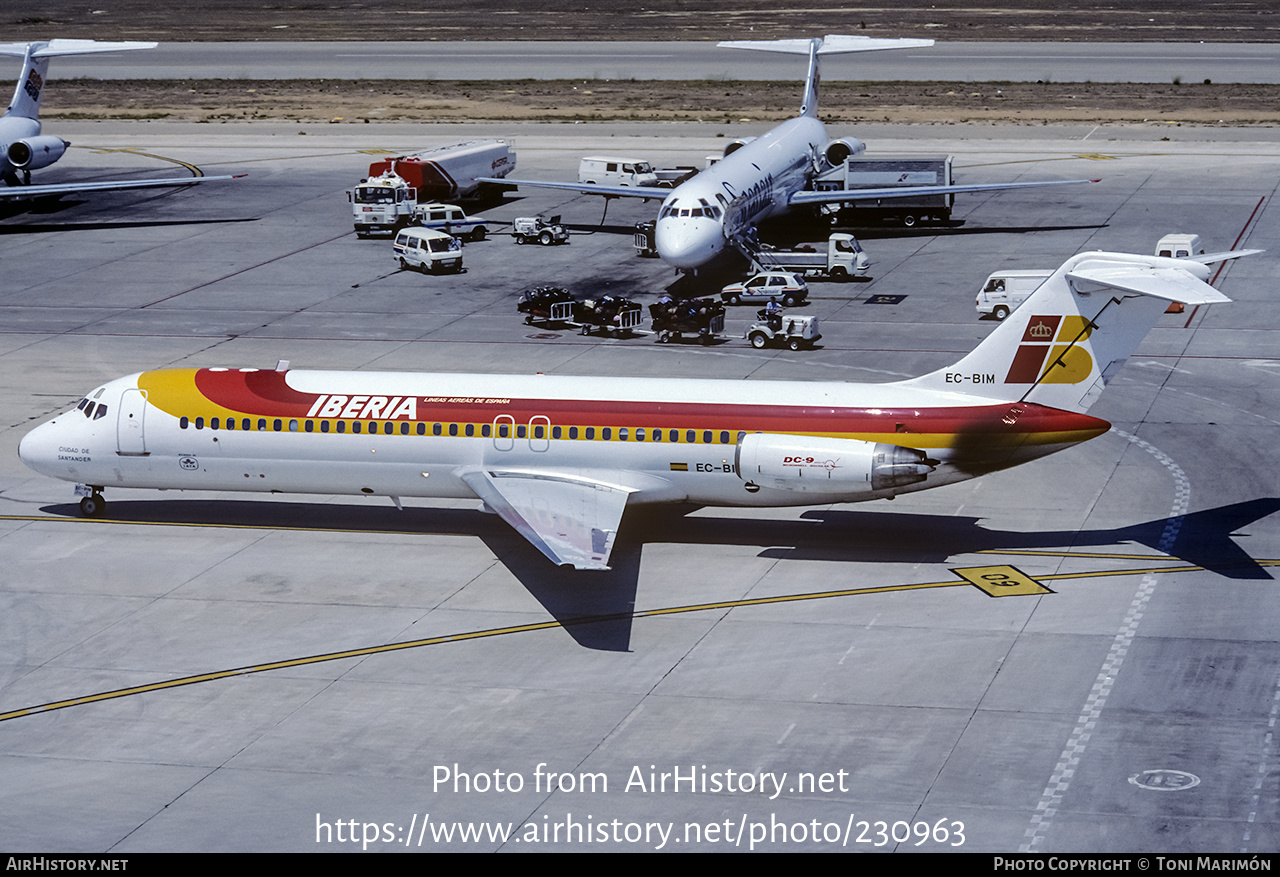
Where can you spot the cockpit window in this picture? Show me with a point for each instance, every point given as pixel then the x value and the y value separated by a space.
pixel 88 411
pixel 100 413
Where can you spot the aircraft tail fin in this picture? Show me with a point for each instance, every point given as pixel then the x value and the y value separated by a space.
pixel 832 44
pixel 1066 342
pixel 30 88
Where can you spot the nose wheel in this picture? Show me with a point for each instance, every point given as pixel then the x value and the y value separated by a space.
pixel 93 506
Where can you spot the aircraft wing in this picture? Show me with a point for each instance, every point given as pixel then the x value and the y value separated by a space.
pixel 840 195
pixel 587 188
pixel 572 520
pixel 42 191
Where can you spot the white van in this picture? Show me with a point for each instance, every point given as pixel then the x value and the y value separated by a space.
pixel 428 250
pixel 1005 290
pixel 1180 246
pixel 612 171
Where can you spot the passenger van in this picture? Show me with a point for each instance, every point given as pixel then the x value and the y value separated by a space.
pixel 428 250
pixel 609 171
pixel 1180 246
pixel 1005 290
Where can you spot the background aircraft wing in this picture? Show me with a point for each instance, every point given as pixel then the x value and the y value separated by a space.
pixel 54 48
pixel 840 195
pixel 571 520
pixel 103 186
pixel 587 188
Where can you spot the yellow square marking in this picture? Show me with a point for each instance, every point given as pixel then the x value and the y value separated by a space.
pixel 1001 581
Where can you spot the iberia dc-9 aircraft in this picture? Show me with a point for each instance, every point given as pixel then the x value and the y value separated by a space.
pixel 24 149
pixel 762 177
pixel 560 458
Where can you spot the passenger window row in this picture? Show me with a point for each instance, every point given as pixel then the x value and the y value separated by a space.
pixel 485 430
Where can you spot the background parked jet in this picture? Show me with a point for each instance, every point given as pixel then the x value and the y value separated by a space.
pixel 24 149
pixel 765 176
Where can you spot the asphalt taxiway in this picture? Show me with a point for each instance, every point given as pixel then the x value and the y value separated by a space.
pixel 221 672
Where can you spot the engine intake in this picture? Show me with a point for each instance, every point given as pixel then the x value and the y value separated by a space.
pixel 838 151
pixel 34 153
pixel 733 147
pixel 827 465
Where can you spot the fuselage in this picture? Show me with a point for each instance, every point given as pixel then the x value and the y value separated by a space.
pixel 752 183
pixel 401 434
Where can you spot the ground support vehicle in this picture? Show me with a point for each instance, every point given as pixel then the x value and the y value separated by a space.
pixel 535 229
pixel 382 204
pixel 447 173
pixel 703 317
pixel 608 313
pixel 842 257
pixel 646 239
pixel 451 219
pixel 860 172
pixel 787 330
pixel 613 171
pixel 428 250
pixel 386 200
pixel 1005 290
pixel 785 287
pixel 547 304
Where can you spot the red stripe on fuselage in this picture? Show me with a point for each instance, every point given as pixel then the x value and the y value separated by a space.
pixel 265 393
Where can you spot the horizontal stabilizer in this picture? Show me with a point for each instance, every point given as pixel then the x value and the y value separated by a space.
pixel 1210 258
pixel 833 44
pixel 571 520
pixel 54 48
pixel 1168 283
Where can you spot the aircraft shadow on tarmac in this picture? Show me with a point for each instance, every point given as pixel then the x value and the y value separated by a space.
pixel 596 608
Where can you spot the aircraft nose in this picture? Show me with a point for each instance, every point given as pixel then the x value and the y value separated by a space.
pixel 688 243
pixel 39 448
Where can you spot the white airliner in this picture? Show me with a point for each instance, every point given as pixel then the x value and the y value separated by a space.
pixel 559 458
pixel 24 149
pixel 766 176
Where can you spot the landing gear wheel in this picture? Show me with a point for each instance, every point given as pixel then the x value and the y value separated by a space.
pixel 93 506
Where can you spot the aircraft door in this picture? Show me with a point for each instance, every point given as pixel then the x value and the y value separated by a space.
pixel 131 438
pixel 539 432
pixel 504 432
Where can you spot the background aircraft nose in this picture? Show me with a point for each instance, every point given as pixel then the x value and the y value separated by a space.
pixel 688 244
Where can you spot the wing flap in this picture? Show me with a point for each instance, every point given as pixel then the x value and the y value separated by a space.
pixel 573 521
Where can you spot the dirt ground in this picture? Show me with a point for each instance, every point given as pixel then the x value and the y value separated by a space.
pixel 368 101
pixel 1114 20
pixel 392 100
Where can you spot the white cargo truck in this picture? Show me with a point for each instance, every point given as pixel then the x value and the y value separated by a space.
pixel 842 257
pixel 860 172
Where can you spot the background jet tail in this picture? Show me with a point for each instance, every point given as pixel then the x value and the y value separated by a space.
pixel 832 44
pixel 1063 345
pixel 26 97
